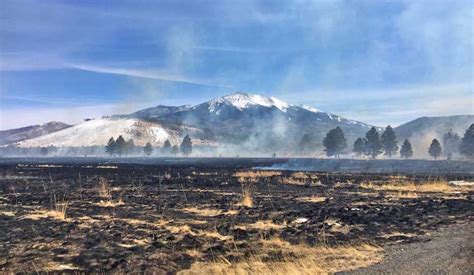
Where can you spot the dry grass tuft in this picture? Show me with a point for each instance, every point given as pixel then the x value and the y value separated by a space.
pixel 58 267
pixel 214 234
pixel 111 203
pixel 105 191
pixel 59 210
pixel 311 199
pixel 247 195
pixel 424 187
pixel 295 259
pixel 261 225
pixel 7 213
pixel 208 212
pixel 255 175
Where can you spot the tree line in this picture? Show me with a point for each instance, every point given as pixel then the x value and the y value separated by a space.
pixel 120 147
pixel 374 144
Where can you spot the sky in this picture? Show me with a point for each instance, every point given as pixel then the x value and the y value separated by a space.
pixel 380 62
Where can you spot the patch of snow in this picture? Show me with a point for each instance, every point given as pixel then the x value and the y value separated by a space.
pixel 311 109
pixel 99 131
pixel 244 100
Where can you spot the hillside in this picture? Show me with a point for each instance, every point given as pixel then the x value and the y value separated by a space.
pixel 99 131
pixel 29 132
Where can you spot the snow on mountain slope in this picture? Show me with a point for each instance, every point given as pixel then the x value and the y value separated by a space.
pixel 160 110
pixel 243 100
pixel 237 119
pixel 311 109
pixel 24 133
pixel 99 131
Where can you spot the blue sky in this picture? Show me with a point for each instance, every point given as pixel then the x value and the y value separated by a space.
pixel 382 62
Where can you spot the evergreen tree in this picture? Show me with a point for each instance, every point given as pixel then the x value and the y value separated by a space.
pixel 186 146
pixel 166 147
pixel 148 149
pixel 374 144
pixel 175 150
pixel 389 141
pixel 307 144
pixel 111 147
pixel 467 143
pixel 129 147
pixel 335 142
pixel 435 149
pixel 120 146
pixel 406 151
pixel 359 147
pixel 451 142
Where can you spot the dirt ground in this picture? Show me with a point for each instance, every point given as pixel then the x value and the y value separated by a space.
pixel 449 250
pixel 168 218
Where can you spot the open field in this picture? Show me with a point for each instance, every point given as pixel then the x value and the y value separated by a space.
pixel 216 217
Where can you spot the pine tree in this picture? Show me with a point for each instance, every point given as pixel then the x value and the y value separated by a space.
pixel 451 142
pixel 335 142
pixel 374 144
pixel 435 149
pixel 406 151
pixel 186 146
pixel 359 147
pixel 129 147
pixel 389 141
pixel 120 146
pixel 111 147
pixel 467 143
pixel 148 149
pixel 175 150
pixel 166 147
pixel 306 144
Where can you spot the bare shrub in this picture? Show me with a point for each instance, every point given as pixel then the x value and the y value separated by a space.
pixel 104 189
pixel 247 194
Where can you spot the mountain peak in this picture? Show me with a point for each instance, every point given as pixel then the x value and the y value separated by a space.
pixel 242 100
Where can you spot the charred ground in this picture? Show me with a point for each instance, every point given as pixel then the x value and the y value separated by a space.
pixel 169 217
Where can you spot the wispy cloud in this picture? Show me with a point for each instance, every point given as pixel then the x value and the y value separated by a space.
pixel 373 61
pixel 144 73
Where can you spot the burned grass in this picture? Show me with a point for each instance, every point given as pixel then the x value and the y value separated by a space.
pixel 159 219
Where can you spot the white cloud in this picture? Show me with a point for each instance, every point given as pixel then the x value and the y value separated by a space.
pixel 144 73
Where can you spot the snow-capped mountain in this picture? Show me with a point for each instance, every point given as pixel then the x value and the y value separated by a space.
pixel 242 101
pixel 24 133
pixel 99 131
pixel 268 122
pixel 247 122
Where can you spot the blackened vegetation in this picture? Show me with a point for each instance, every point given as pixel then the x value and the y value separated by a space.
pixel 154 229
